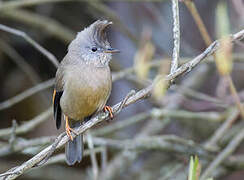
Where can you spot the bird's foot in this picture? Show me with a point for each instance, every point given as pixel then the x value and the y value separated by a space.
pixel 109 109
pixel 68 129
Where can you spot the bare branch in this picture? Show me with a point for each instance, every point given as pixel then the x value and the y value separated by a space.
pixel 47 24
pixel 21 144
pixel 168 143
pixel 20 61
pixel 198 20
pixel 22 34
pixel 176 32
pixel 213 141
pixel 157 113
pixel 26 127
pixel 29 92
pixel 92 155
pixel 228 150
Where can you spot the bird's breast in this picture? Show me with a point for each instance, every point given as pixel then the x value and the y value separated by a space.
pixel 85 91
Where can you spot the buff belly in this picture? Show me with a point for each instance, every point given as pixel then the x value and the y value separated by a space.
pixel 80 103
pixel 84 95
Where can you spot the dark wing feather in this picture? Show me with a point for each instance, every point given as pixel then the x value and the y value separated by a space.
pixel 56 107
pixel 57 94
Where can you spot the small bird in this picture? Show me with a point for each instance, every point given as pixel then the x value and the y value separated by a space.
pixel 83 83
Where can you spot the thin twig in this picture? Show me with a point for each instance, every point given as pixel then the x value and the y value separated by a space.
pixel 29 92
pixel 22 34
pixel 199 95
pixel 12 138
pixel 62 159
pixel 235 129
pixel 198 20
pixel 31 124
pixel 157 62
pixel 176 32
pixel 122 104
pixel 218 134
pixel 207 116
pixel 92 155
pixel 19 61
pixel 21 144
pixel 121 124
pixel 47 24
pixel 228 150
pixel 104 158
pixel 235 95
pixel 157 113
pixel 167 143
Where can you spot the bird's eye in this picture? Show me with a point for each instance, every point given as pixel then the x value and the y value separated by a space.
pixel 94 49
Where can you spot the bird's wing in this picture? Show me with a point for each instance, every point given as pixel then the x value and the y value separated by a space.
pixel 56 107
pixel 57 94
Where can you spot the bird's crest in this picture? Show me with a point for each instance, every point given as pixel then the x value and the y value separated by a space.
pixel 95 33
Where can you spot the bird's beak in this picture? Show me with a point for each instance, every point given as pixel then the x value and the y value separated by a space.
pixel 111 50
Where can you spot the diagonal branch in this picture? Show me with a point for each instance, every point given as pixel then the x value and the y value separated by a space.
pixel 227 151
pixel 41 49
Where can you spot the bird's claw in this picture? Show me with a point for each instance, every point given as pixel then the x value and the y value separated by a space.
pixel 109 109
pixel 68 129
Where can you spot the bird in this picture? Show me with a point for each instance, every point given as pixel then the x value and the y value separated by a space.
pixel 83 84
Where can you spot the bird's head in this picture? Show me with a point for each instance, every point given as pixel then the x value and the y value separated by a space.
pixel 91 45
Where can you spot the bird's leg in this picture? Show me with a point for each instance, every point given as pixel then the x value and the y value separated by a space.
pixel 68 128
pixel 109 109
pixel 54 93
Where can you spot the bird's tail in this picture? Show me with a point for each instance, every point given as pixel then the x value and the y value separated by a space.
pixel 74 149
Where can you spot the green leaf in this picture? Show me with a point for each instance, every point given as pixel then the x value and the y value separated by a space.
pixel 194 168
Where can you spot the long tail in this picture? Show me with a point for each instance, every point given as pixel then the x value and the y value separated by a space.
pixel 74 149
